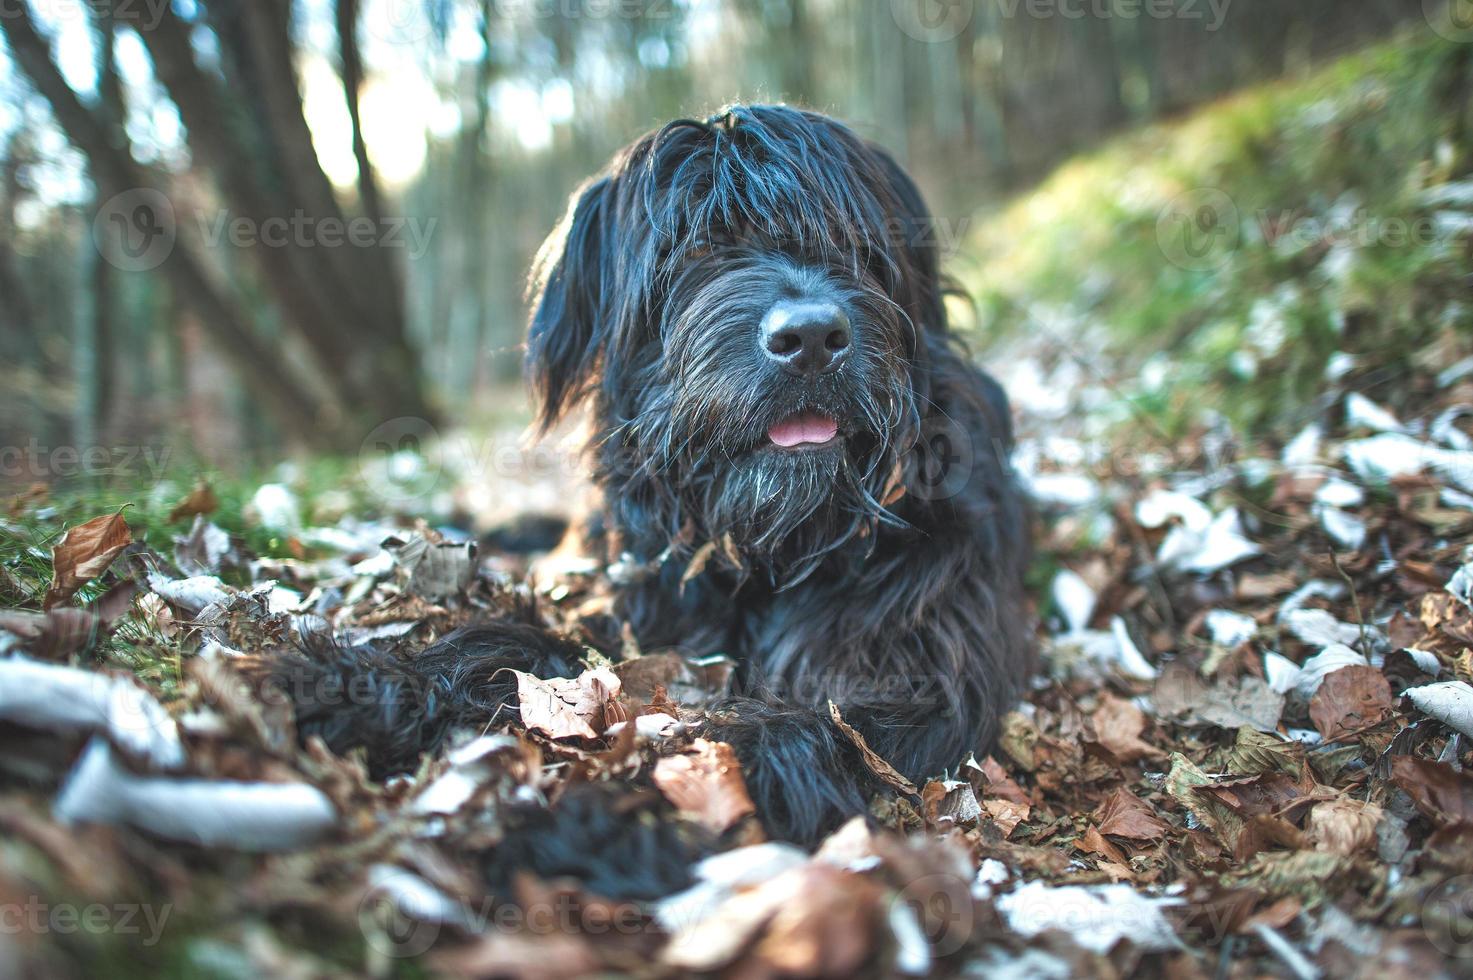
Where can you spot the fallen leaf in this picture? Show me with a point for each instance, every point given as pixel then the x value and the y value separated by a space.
pixel 1441 792
pixel 698 562
pixel 201 501
pixel 706 784
pixel 1231 704
pixel 1093 843
pixel 1118 725
pixel 203 550
pixel 520 956
pixel 564 707
pixel 1255 753
pixel 720 924
pixel 1123 814
pixel 431 568
pixel 876 764
pixel 1019 740
pixel 1266 586
pixel 1271 794
pixel 1007 814
pixel 826 928
pixel 1002 784
pixel 1350 699
pixel 951 800
pixel 1096 916
pixel 1450 702
pixel 1275 916
pixel 84 553
pixel 682 681
pixel 1183 783
pixel 1343 826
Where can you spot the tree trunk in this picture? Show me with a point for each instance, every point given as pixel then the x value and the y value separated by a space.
pixel 221 137
pixel 115 172
pixel 351 67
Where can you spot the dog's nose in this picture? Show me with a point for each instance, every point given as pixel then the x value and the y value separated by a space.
pixel 808 338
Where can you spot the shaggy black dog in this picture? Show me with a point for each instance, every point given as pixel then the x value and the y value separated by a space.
pixel 751 309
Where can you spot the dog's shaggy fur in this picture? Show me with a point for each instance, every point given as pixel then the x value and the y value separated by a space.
pixel 881 570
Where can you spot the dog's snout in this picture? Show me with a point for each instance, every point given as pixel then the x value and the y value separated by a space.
pixel 806 338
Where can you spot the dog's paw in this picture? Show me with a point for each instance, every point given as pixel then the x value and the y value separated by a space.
pixel 617 842
pixel 804 775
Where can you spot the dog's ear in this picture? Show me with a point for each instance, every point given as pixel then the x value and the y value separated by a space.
pixel 923 287
pixel 567 292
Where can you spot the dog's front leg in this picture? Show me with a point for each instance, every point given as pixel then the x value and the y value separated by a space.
pixel 805 776
pixel 923 672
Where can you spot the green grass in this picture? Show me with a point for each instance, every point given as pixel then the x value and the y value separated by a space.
pixel 326 489
pixel 1331 214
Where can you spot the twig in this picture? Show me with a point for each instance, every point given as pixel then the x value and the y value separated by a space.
pixel 1302 968
pixel 1354 598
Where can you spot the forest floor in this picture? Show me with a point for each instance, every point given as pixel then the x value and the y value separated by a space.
pixel 1246 753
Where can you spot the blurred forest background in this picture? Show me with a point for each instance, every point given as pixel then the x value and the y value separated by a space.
pixel 176 179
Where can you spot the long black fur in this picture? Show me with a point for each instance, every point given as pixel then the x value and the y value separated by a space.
pixel 397 708
pixel 618 844
pixel 904 609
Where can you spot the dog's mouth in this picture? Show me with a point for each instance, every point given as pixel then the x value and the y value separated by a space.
pixel 804 430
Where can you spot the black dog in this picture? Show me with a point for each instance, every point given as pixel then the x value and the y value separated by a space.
pixel 752 309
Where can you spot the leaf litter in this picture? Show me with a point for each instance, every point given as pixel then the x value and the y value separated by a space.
pixel 1246 753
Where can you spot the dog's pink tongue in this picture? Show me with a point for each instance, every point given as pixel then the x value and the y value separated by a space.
pixel 795 430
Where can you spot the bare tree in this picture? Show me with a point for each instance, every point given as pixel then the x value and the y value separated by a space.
pixel 340 296
pixel 115 172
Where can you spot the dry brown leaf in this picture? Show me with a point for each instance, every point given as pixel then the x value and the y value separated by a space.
pixel 563 707
pixel 1007 814
pixel 682 682
pixel 1118 724
pixel 1271 794
pixel 59 633
pixel 1000 784
pixel 1275 916
pixel 720 935
pixel 1123 814
pixel 1443 613
pixel 876 764
pixel 1438 790
pixel 201 501
pixel 1265 586
pixel 950 800
pixel 706 784
pixel 1343 826
pixel 827 928
pixel 1350 699
pixel 84 553
pixel 1094 843
pixel 1181 693
pixel 54 635
pixel 895 488
pixel 698 562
